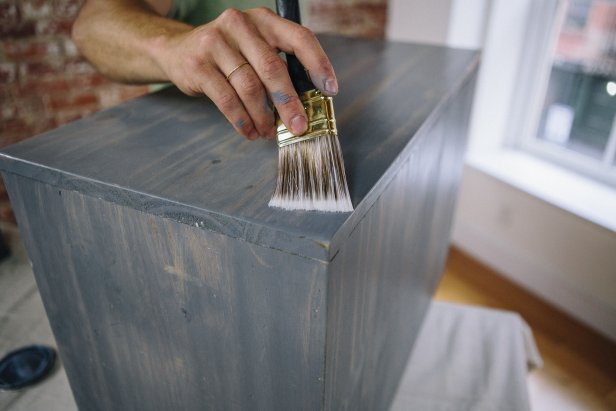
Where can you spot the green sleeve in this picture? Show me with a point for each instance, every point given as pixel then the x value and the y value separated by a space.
pixel 197 12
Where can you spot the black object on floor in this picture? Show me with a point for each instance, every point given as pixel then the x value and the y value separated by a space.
pixel 26 366
pixel 5 251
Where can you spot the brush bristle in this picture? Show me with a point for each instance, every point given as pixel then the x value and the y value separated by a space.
pixel 311 176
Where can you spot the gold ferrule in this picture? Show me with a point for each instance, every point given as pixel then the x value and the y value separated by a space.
pixel 320 112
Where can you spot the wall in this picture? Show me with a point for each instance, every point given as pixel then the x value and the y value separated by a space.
pixel 565 259
pixel 44 82
pixel 419 21
pixel 357 18
pixel 562 258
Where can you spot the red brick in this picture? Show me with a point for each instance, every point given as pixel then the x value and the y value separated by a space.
pixel 6 214
pixel 7 111
pixel 352 19
pixel 68 46
pixel 60 101
pixel 43 81
pixel 79 66
pixel 54 26
pixel 36 69
pixel 9 12
pixel 8 72
pixel 44 125
pixel 36 9
pixel 71 66
pixel 602 16
pixel 16 30
pixel 61 83
pixel 12 23
pixel 3 194
pixel 20 49
pixel 67 8
pixel 46 86
pixel 13 124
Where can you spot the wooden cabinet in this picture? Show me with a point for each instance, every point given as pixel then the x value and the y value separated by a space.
pixel 169 283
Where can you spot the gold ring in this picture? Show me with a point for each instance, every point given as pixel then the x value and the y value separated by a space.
pixel 236 69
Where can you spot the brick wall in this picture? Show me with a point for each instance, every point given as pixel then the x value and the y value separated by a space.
pixel 358 18
pixel 44 82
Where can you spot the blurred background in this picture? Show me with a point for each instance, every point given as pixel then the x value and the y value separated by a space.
pixel 537 206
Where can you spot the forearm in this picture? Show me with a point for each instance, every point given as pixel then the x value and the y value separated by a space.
pixel 125 39
pixel 128 41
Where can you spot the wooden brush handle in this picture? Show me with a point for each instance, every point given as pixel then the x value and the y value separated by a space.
pixel 289 9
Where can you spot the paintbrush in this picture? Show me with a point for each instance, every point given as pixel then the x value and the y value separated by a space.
pixel 310 166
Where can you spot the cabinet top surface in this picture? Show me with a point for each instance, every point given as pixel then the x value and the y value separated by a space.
pixel 177 157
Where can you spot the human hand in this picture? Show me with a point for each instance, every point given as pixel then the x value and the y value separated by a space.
pixel 209 60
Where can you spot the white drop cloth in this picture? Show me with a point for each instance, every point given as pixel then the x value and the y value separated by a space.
pixel 468 358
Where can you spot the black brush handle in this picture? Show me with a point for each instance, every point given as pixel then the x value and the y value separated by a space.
pixel 289 9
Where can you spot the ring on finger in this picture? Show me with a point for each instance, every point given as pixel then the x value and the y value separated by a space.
pixel 239 66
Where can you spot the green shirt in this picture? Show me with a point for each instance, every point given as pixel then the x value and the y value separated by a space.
pixel 198 12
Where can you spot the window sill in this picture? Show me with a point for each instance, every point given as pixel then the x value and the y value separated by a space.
pixel 564 189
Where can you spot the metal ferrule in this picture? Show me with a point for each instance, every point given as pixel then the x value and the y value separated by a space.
pixel 320 112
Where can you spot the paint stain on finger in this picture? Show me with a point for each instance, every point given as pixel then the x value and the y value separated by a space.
pixel 279 97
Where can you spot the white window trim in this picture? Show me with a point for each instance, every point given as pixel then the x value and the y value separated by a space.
pixel 506 79
pixel 518 213
pixel 542 32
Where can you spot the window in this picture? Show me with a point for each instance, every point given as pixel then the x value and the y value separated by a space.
pixel 569 116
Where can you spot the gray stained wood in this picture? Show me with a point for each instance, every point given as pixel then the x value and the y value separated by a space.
pixel 169 283
pixel 151 314
pixel 381 281
pixel 176 157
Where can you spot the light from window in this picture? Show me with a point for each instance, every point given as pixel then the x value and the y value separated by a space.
pixel 579 110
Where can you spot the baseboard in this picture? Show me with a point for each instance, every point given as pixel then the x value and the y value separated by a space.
pixel 483 232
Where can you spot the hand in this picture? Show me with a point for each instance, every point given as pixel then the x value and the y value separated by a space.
pixel 198 62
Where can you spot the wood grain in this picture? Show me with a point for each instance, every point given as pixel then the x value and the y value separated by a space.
pixel 151 314
pixel 176 157
pixel 382 280
pixel 169 283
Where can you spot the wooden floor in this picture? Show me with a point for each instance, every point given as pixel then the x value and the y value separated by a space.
pixel 579 370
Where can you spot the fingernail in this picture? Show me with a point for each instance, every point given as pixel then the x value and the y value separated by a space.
pixel 253 135
pixel 299 125
pixel 331 86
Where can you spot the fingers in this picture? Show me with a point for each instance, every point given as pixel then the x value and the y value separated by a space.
pixel 228 102
pixel 249 88
pixel 216 49
pixel 268 66
pixel 298 40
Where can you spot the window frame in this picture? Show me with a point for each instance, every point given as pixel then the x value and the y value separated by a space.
pixel 544 22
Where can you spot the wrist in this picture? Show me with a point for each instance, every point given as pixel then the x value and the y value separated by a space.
pixel 163 45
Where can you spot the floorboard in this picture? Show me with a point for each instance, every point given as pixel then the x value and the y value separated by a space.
pixel 580 364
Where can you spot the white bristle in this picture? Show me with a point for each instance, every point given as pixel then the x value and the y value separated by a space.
pixel 311 177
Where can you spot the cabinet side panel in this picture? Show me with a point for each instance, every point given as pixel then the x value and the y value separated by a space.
pixel 382 280
pixel 150 314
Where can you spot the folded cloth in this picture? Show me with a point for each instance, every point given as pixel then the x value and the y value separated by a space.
pixel 469 358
